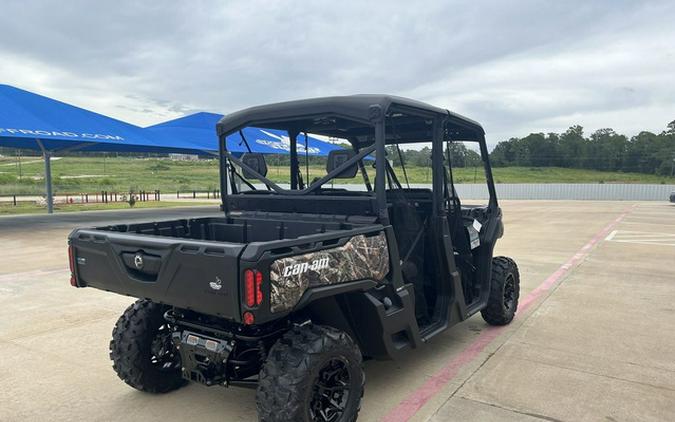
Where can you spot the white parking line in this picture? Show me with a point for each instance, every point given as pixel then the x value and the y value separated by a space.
pixel 650 224
pixel 642 238
pixel 644 243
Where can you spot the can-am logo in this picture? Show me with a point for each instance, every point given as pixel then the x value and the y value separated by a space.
pixel 316 265
pixel 138 261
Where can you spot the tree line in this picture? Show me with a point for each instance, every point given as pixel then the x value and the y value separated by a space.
pixel 603 149
pixel 460 156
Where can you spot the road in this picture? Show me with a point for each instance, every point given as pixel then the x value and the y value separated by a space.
pixel 593 340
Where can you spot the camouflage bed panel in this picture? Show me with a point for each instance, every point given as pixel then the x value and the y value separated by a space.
pixel 360 258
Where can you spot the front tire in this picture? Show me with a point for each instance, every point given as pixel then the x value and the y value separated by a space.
pixel 142 352
pixel 504 292
pixel 313 373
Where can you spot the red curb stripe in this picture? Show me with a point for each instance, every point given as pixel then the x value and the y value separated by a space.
pixel 407 408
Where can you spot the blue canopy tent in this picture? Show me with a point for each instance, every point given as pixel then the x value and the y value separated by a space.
pixel 31 121
pixel 199 130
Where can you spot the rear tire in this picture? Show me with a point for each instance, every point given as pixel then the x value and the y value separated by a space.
pixel 504 292
pixel 313 373
pixel 142 352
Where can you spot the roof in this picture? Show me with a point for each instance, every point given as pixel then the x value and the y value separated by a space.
pixel 26 117
pixel 199 120
pixel 352 107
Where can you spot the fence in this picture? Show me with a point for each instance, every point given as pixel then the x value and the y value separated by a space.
pixel 557 191
pixel 194 194
pixel 107 197
pixel 570 191
pixel 102 197
pixel 553 191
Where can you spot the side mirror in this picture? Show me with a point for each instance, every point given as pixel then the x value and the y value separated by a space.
pixel 256 161
pixel 338 157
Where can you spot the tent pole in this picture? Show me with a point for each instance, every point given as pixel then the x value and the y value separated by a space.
pixel 47 155
pixel 48 182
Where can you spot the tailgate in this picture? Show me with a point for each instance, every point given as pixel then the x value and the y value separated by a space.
pixel 196 275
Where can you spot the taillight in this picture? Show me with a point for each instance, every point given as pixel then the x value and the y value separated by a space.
pixel 71 261
pixel 253 295
pixel 249 288
pixel 249 319
pixel 258 288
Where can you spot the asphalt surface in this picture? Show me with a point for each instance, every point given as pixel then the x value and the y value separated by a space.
pixel 593 341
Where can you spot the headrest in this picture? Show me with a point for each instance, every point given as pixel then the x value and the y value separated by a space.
pixel 256 161
pixel 338 157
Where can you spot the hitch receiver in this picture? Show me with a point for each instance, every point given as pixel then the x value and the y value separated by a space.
pixel 204 358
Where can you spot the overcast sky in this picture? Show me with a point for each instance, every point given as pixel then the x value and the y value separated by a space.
pixel 516 67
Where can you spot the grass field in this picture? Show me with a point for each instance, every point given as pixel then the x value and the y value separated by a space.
pixel 29 207
pixel 92 174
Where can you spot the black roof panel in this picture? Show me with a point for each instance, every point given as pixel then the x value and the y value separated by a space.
pixel 356 107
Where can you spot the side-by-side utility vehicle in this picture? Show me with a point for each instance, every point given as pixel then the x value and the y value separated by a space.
pixel 294 283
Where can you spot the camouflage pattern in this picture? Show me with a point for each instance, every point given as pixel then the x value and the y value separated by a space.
pixel 360 258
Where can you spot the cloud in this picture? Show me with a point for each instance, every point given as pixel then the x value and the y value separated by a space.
pixel 515 67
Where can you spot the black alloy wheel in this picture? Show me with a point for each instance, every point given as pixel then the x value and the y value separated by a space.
pixel 330 392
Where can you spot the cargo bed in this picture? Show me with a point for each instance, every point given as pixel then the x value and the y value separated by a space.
pixel 191 263
pixel 245 228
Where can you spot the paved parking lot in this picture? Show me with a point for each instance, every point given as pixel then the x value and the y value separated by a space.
pixel 594 340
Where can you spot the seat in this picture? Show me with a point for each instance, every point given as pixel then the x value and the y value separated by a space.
pixel 256 161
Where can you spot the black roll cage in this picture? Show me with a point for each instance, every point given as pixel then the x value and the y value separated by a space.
pixel 419 123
